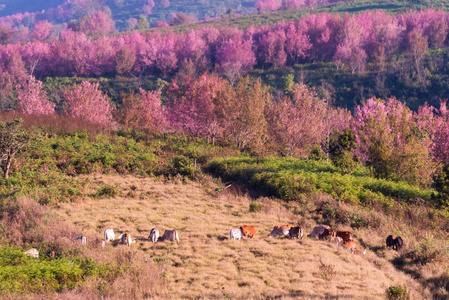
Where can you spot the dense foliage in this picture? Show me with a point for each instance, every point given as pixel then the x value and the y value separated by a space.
pixel 292 179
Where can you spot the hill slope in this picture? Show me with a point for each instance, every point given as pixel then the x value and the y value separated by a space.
pixel 207 264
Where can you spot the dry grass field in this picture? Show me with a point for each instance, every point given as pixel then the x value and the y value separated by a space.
pixel 206 264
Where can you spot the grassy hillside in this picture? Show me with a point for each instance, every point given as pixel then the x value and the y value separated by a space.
pixel 133 182
pixel 207 264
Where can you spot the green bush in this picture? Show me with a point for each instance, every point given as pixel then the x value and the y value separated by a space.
pixel 20 274
pixel 290 179
pixel 107 191
pixel 255 207
pixel 183 165
pixel 397 292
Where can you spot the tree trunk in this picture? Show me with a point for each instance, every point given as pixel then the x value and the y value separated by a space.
pixel 7 167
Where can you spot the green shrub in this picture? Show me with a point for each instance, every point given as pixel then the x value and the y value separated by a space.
pixel 317 154
pixel 397 292
pixel 20 274
pixel 107 191
pixel 183 165
pixel 255 207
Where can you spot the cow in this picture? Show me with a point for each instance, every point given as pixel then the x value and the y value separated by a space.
pixel 327 234
pixel 280 230
pixel 171 235
pixel 235 234
pixel 345 235
pixel 109 235
pixel 317 230
pixel 126 239
pixel 81 239
pixel 336 240
pixel 248 231
pixel 398 243
pixel 296 232
pixel 390 241
pixel 154 235
pixel 349 245
pixel 33 252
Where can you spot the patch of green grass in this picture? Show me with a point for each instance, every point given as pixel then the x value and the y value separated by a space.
pixel 290 179
pixel 20 274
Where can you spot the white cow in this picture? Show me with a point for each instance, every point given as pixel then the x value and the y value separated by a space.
pixel 318 230
pixel 109 235
pixel 154 235
pixel 171 235
pixel 235 234
pixel 126 239
pixel 33 252
pixel 81 239
pixel 336 240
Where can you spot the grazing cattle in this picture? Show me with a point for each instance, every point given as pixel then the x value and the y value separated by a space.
pixel 345 235
pixel 336 240
pixel 398 243
pixel 248 231
pixel 81 239
pixel 349 245
pixel 327 234
pixel 170 235
pixel 390 241
pixel 296 232
pixel 154 235
pixel 126 239
pixel 235 234
pixel 317 230
pixel 33 252
pixel 282 230
pixel 109 235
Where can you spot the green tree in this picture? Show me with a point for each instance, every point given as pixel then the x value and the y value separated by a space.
pixel 341 151
pixel 13 138
pixel 441 184
pixel 142 23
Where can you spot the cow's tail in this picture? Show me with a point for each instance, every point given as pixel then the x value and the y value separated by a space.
pixel 177 237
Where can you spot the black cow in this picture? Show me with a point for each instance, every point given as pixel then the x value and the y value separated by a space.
pixel 390 241
pixel 398 243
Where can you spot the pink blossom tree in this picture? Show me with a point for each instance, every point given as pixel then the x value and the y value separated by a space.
pixel 200 107
pixel 435 122
pixel 32 100
pixel 235 56
pixel 41 30
pixel 96 23
pixel 86 101
pixel 268 5
pixel 165 3
pixel 391 143
pixel 297 123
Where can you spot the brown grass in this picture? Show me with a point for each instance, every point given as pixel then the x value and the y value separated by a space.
pixel 207 265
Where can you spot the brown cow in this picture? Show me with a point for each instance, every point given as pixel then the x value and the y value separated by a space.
pixel 296 232
pixel 248 231
pixel 327 234
pixel 280 230
pixel 345 235
pixel 349 245
pixel 390 241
